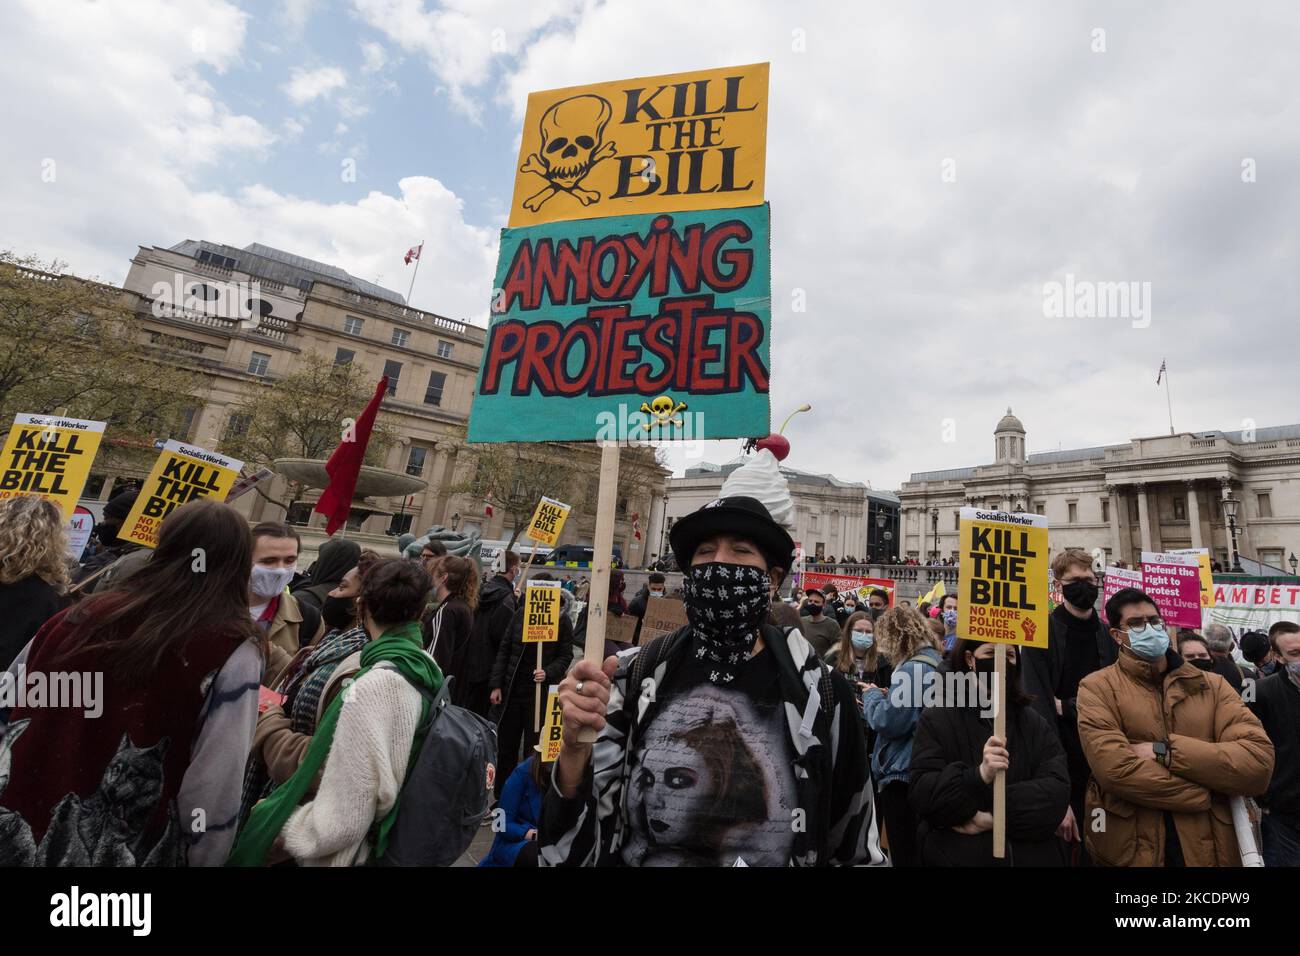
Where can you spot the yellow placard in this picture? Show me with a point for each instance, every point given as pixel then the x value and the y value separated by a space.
pixel 541 612
pixel 548 521
pixel 656 144
pixel 1207 573
pixel 182 473
pixel 553 729
pixel 49 456
pixel 1002 583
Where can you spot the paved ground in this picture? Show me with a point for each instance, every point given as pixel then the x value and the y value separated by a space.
pixel 478 849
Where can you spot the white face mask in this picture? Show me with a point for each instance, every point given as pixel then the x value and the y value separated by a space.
pixel 266 583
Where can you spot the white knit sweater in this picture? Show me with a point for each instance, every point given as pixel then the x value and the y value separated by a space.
pixel 363 773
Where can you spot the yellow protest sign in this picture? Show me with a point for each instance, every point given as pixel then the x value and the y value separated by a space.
pixel 1002 583
pixel 669 143
pixel 553 730
pixel 1207 572
pixel 541 612
pixel 49 456
pixel 548 521
pixel 182 473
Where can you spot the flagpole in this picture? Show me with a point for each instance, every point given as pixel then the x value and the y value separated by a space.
pixel 1169 402
pixel 415 273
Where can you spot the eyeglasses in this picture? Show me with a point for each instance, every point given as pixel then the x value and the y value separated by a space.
pixel 1154 620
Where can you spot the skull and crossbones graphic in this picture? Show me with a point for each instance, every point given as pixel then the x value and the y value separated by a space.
pixel 573 133
pixel 662 411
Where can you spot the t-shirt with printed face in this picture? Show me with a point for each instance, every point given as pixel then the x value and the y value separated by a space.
pixel 712 781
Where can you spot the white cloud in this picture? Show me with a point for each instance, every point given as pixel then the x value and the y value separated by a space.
pixel 136 122
pixel 374 56
pixel 295 13
pixel 461 40
pixel 307 85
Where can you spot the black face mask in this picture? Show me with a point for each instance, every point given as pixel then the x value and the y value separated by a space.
pixel 339 613
pixel 725 603
pixel 1082 594
pixel 1203 664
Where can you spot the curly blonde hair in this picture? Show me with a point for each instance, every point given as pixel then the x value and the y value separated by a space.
pixel 901 632
pixel 33 541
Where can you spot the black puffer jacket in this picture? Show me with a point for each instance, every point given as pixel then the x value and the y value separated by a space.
pixel 496 606
pixel 946 789
pixel 516 660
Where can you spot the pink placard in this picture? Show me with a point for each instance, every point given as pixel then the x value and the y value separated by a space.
pixel 1117 579
pixel 1176 589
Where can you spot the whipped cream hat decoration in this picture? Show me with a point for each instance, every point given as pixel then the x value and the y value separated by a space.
pixel 760 477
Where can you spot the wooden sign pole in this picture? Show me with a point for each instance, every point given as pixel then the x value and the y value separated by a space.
pixel 1000 778
pixel 603 550
pixel 537 696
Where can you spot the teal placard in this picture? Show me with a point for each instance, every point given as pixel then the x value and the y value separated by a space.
pixel 594 318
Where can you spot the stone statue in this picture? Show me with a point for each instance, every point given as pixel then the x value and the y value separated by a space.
pixel 456 542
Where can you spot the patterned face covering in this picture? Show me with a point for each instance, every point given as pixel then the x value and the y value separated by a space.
pixel 725 604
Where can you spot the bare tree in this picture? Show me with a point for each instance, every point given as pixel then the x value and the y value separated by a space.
pixel 301 415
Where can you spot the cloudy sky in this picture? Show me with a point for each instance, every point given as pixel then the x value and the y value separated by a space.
pixel 931 166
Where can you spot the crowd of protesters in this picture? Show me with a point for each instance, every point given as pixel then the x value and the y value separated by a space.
pixel 286 710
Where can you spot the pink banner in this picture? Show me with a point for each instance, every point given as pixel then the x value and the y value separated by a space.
pixel 1175 586
pixel 1117 579
pixel 851 582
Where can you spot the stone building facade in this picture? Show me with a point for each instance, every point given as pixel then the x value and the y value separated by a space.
pixel 1148 494
pixel 183 295
pixel 831 516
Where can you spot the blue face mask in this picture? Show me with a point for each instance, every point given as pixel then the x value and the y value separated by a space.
pixel 949 619
pixel 1148 642
pixel 861 640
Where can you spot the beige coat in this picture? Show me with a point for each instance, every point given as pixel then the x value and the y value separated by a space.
pixel 1218 749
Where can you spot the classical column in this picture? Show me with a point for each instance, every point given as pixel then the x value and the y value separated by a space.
pixel 1117 549
pixel 1194 513
pixel 1144 517
pixel 440 479
pixel 652 531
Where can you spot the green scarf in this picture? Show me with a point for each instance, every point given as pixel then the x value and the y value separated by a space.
pixel 402 646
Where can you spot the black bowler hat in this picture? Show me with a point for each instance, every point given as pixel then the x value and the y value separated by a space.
pixel 738 515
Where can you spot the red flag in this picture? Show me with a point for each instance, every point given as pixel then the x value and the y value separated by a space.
pixel 345 464
pixel 636 525
pixel 413 253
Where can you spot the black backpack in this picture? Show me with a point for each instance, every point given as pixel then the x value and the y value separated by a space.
pixel 447 790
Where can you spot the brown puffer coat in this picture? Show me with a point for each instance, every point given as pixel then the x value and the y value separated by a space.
pixel 1218 750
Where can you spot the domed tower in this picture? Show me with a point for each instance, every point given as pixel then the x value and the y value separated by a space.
pixel 1009 440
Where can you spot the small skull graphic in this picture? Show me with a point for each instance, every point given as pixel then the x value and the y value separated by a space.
pixel 572 143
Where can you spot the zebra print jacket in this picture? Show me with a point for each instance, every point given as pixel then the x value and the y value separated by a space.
pixel 831 768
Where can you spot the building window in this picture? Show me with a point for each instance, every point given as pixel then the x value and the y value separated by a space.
pixel 400 524
pixel 1265 502
pixel 221 262
pixel 299 513
pixel 394 371
pixel 1180 509
pixel 1105 509
pixel 814 522
pixel 433 394
pixel 1072 510
pixel 344 356
pixel 956 520
pixel 94 486
pixel 238 425
pixel 257 365
pixel 401 337
pixel 444 350
pixel 352 325
pixel 1040 507
pixel 415 463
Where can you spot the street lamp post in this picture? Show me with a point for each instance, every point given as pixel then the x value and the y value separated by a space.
pixel 889 536
pixel 880 527
pixel 934 520
pixel 1230 513
pixel 1293 562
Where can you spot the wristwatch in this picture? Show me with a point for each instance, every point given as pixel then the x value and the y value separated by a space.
pixel 1161 750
